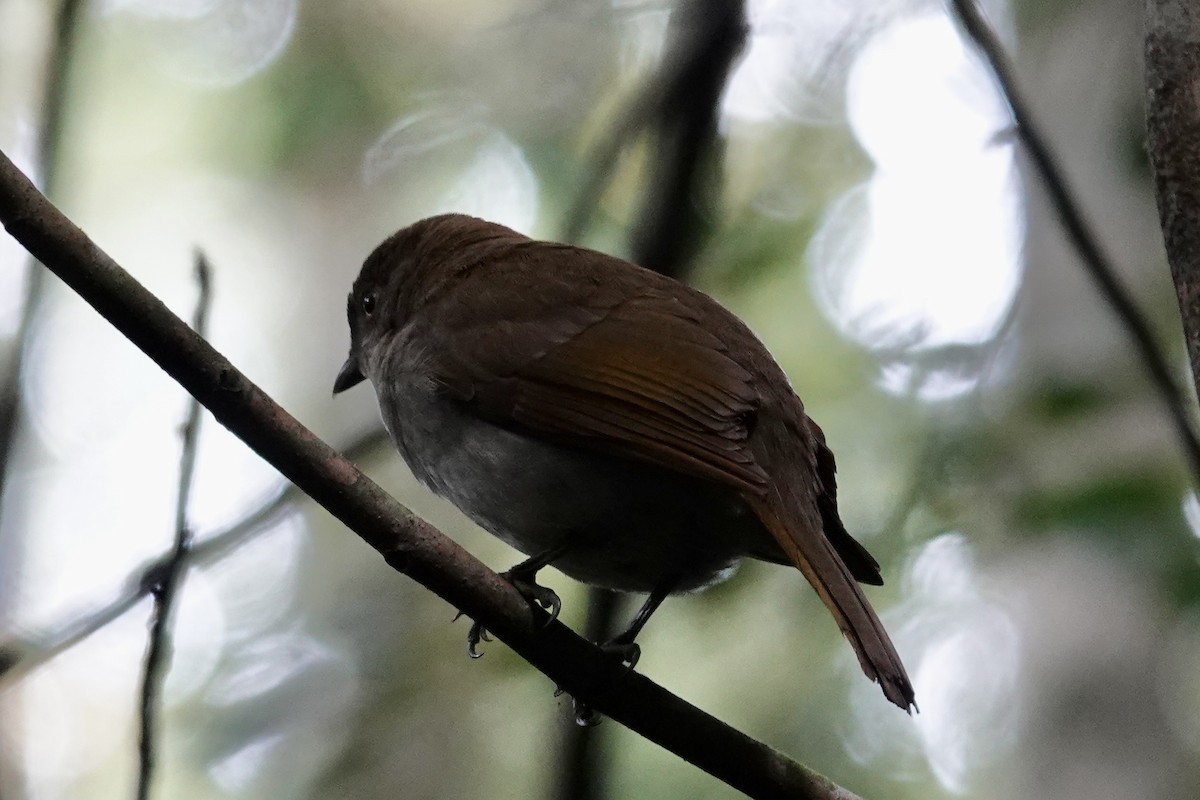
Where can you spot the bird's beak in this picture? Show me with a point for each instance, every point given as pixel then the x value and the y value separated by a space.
pixel 349 375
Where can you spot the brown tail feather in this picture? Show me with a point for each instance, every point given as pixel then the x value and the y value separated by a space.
pixel 814 556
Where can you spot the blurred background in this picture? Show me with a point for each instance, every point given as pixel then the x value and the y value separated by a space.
pixel 863 208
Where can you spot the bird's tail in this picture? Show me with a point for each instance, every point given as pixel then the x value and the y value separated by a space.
pixel 811 552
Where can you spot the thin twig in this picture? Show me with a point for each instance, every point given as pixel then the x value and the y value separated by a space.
pixel 706 38
pixel 19 657
pixel 166 588
pixel 1080 232
pixel 54 105
pixel 406 542
pixel 604 161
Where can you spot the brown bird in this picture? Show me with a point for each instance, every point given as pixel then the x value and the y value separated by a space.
pixel 602 418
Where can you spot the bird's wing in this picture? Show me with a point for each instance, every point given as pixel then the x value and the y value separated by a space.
pixel 628 364
pixel 621 363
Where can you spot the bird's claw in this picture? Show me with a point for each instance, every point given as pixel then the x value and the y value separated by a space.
pixel 627 653
pixel 476 635
pixel 536 595
pixel 585 715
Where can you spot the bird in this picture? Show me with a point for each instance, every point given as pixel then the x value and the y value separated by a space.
pixel 604 419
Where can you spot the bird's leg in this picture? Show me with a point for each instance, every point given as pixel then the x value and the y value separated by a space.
pixel 623 644
pixel 624 647
pixel 522 577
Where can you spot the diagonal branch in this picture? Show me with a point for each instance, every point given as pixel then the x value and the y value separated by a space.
pixel 1082 235
pixel 408 543
pixel 1173 128
pixel 166 584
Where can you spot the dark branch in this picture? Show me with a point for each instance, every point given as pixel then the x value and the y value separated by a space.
pixel 1173 128
pixel 408 543
pixel 1083 237
pixel 165 586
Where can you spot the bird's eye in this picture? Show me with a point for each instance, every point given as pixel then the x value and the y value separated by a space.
pixel 368 304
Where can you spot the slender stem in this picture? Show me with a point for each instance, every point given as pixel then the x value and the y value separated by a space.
pixel 20 657
pixel 680 104
pixel 1082 235
pixel 166 589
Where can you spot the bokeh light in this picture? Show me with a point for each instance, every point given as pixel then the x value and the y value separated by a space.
pixel 212 43
pixel 927 253
pixel 450 152
pixel 962 650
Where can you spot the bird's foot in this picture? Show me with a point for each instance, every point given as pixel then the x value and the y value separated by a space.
pixel 475 635
pixel 535 594
pixel 627 653
pixel 585 715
